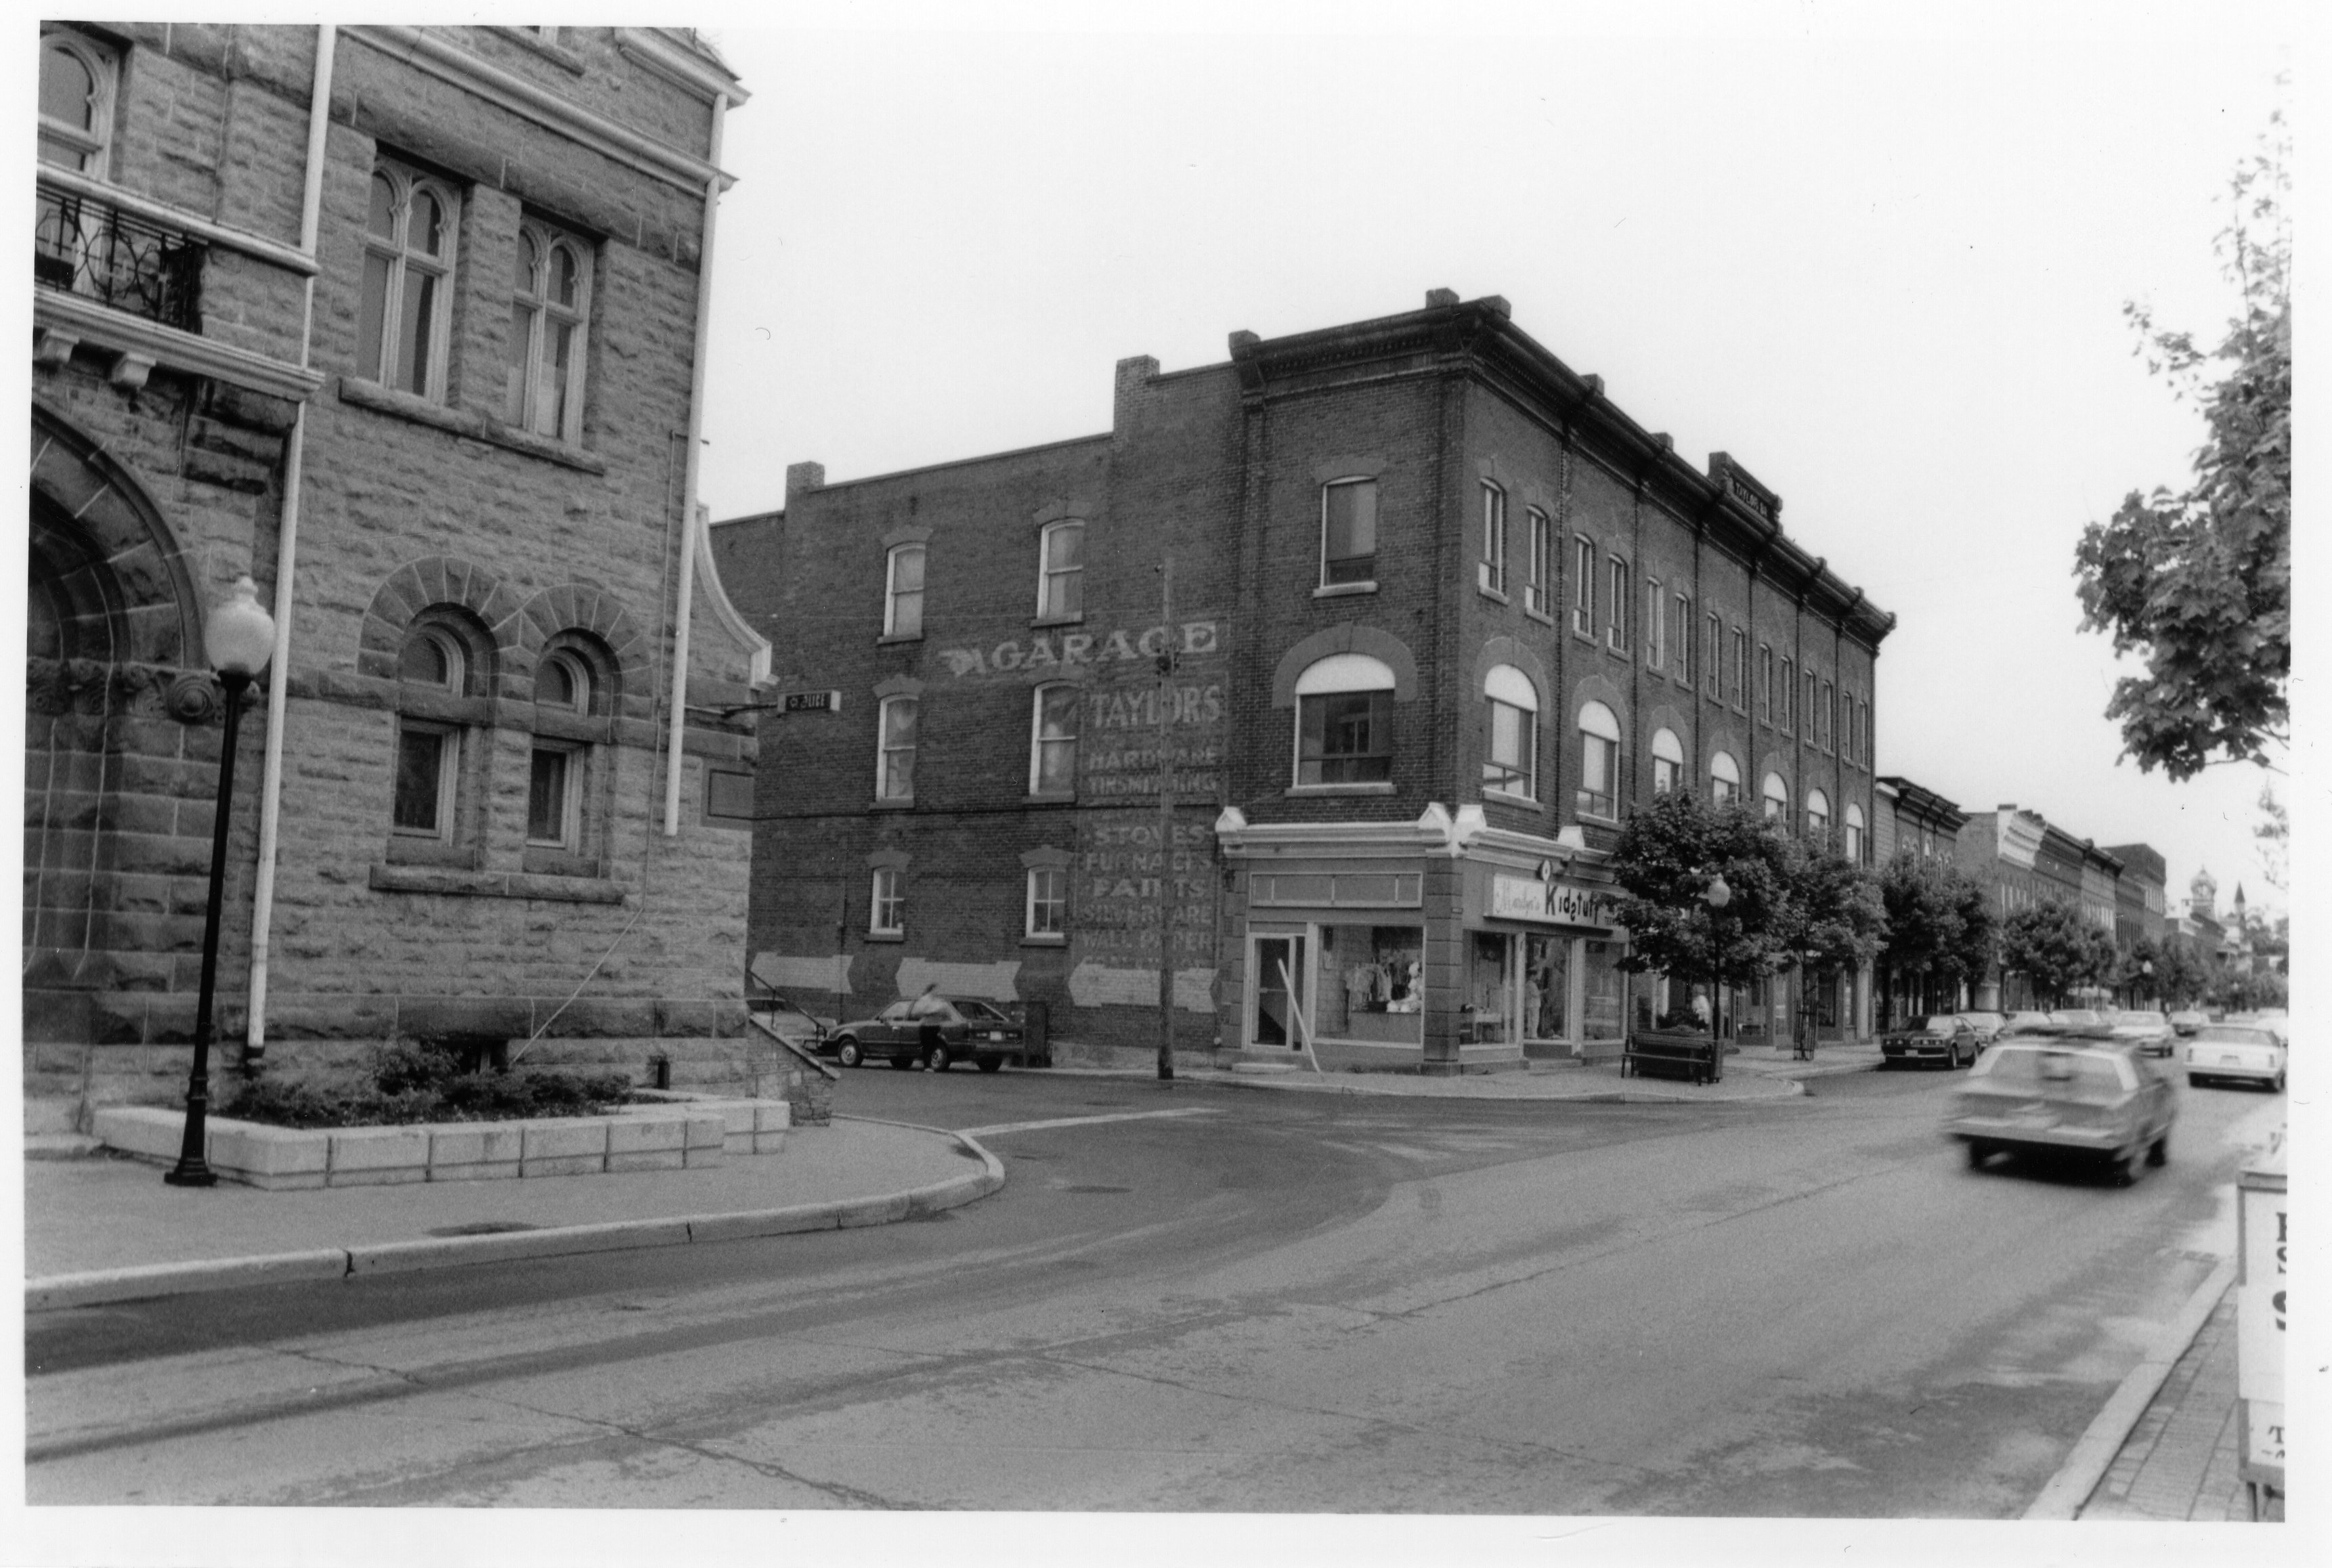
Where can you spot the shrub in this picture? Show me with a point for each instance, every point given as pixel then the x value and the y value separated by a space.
pixel 411 1081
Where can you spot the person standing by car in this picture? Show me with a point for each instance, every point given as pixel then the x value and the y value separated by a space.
pixel 930 1010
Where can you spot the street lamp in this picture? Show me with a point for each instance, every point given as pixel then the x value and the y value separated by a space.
pixel 238 639
pixel 1716 895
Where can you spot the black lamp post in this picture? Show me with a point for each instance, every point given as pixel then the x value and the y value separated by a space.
pixel 1716 895
pixel 238 637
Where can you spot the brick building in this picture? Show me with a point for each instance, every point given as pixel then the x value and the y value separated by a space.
pixel 1911 819
pixel 2026 859
pixel 406 324
pixel 1440 613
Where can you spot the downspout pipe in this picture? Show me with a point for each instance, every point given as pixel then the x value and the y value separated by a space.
pixel 686 591
pixel 287 545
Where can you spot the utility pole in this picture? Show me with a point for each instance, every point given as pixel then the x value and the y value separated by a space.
pixel 1166 825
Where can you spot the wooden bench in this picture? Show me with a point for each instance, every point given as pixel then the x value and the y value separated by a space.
pixel 1672 1053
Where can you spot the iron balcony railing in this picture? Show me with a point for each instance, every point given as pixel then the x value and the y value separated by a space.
pixel 85 245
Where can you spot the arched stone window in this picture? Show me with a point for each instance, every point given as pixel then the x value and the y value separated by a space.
pixel 406 303
pixel 551 303
pixel 1511 767
pixel 443 661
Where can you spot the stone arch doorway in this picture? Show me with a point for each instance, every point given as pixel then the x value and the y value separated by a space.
pixel 111 717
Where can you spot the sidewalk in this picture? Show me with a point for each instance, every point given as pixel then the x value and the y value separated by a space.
pixel 2179 1460
pixel 1751 1073
pixel 103 1228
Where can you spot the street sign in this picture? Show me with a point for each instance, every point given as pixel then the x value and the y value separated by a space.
pixel 809 701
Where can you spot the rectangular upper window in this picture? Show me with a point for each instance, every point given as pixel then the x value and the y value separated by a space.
pixel 1616 636
pixel 1813 692
pixel 404 308
pixel 1061 576
pixel 1348 531
pixel 428 758
pixel 1656 624
pixel 1583 585
pixel 1052 746
pixel 895 761
pixel 1493 568
pixel 554 791
pixel 1684 639
pixel 1538 593
pixel 886 907
pixel 1765 682
pixel 1345 737
pixel 1740 671
pixel 1829 717
pixel 1048 900
pixel 903 592
pixel 1712 653
pixel 1787 692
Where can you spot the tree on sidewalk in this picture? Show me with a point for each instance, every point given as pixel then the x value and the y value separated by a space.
pixel 2198 582
pixel 2053 948
pixel 1939 923
pixel 1842 920
pixel 1668 856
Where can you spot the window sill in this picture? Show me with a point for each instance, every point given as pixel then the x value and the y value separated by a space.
pixel 889 637
pixel 1539 615
pixel 469 426
pixel 1505 797
pixel 1044 942
pixel 556 860
pixel 1337 590
pixel 422 850
pixel 1491 593
pixel 906 805
pixel 1587 637
pixel 886 936
pixel 1298 791
pixel 1040 622
pixel 1052 798
pixel 449 882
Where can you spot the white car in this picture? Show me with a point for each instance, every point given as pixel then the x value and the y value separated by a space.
pixel 2254 1053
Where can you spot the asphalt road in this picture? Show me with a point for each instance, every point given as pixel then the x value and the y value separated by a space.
pixel 1226 1299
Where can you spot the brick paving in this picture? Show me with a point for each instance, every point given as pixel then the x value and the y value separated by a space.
pixel 2179 1460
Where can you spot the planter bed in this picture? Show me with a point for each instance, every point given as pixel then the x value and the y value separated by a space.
pixel 666 1132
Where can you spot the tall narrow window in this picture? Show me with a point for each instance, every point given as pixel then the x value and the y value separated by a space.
pixel 1828 716
pixel 1598 761
pixel 1656 624
pixel 1854 833
pixel 886 909
pixel 1683 640
pixel 1348 531
pixel 1583 585
pixel 1344 721
pixel 1061 590
pixel 1712 653
pixel 1740 671
pixel 554 793
pixel 1668 761
pixel 428 753
pixel 1048 900
pixel 1538 594
pixel 1616 636
pixel 894 764
pixel 1810 684
pixel 76 122
pixel 1862 735
pixel 1765 682
pixel 550 301
pixel 902 593
pixel 1788 692
pixel 1512 765
pixel 404 306
pixel 1053 749
pixel 1494 538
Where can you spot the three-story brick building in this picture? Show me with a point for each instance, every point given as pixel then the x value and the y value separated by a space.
pixel 407 324
pixel 1440 615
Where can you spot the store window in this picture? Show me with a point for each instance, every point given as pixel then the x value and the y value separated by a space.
pixel 1344 721
pixel 1723 779
pixel 1598 761
pixel 1061 579
pixel 1053 743
pixel 1511 766
pixel 1776 795
pixel 1546 986
pixel 1603 1007
pixel 1348 531
pixel 1372 984
pixel 1486 1015
pixel 1668 761
pixel 894 761
pixel 903 592
pixel 1492 570
pixel 405 302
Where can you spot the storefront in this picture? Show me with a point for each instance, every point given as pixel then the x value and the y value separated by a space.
pixel 1542 963
pixel 1333 952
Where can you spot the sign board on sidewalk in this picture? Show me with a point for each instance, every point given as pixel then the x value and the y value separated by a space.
pixel 2262 1223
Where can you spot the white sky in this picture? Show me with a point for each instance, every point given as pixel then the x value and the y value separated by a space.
pixel 1885 271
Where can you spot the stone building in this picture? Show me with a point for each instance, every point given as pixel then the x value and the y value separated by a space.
pixel 1405 616
pixel 407 325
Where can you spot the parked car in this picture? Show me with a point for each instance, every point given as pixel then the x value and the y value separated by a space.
pixel 2187 1021
pixel 2254 1053
pixel 1944 1038
pixel 967 1029
pixel 1988 1027
pixel 2147 1032
pixel 2064 1095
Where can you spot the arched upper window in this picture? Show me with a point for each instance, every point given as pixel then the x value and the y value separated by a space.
pixel 1344 721
pixel 1854 833
pixel 1667 760
pixel 563 681
pixel 554 793
pixel 408 276
pixel 1061 573
pixel 436 657
pixel 550 301
pixel 1817 814
pixel 1724 778
pixel 1512 765
pixel 1053 742
pixel 1598 761
pixel 77 76
pixel 1777 799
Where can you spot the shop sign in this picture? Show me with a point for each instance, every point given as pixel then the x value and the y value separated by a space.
pixel 1550 902
pixel 2259 1299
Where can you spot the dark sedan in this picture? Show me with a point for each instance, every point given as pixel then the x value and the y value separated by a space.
pixel 966 1028
pixel 1945 1040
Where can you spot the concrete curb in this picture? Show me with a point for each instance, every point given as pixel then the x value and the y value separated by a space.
pixel 2068 1489
pixel 104 1286
pixel 1308 1083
